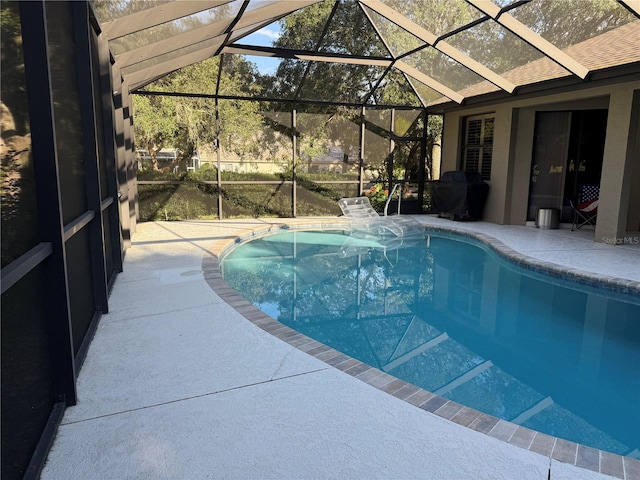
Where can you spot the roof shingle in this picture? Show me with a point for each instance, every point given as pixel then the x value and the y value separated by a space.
pixel 617 47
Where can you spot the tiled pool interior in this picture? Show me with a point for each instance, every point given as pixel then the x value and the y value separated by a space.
pixel 556 448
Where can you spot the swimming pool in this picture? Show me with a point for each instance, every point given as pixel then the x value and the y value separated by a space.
pixel 448 315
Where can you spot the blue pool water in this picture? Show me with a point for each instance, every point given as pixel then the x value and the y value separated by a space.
pixel 448 315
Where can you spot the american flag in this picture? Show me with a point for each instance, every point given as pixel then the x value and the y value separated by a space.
pixel 589 192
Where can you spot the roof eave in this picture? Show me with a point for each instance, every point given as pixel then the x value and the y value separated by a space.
pixel 608 76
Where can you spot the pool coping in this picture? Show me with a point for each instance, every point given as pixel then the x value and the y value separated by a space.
pixel 623 467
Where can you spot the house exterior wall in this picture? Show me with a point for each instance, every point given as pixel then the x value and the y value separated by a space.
pixel 615 186
pixel 513 148
pixel 633 215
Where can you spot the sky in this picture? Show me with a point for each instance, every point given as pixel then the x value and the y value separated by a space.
pixel 264 37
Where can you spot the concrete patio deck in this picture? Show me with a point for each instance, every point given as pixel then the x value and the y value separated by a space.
pixel 178 385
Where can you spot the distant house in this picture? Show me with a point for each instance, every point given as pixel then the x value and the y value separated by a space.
pixel 165 157
pixel 335 161
pixel 231 162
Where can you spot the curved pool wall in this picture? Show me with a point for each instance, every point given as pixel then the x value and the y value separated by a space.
pixel 559 449
pixel 448 315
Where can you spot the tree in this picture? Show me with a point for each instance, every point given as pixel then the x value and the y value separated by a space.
pixel 349 32
pixel 341 26
pixel 189 123
pixel 155 124
pixel 18 207
pixel 567 22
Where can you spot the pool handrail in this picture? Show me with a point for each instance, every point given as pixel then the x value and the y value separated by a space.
pixel 386 205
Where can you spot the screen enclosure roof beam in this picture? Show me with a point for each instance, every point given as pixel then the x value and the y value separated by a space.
pixel 152 17
pixel 251 19
pixel 431 39
pixel 430 82
pixel 525 33
pixel 143 77
pixel 632 5
pixel 272 11
pixel 168 45
pixel 307 55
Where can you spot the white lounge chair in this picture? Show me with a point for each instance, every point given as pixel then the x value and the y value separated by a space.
pixel 365 220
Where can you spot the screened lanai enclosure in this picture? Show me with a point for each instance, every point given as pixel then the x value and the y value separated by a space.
pixel 285 161
pixel 116 112
pixel 282 108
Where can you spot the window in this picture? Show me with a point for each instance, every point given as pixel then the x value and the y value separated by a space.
pixel 477 146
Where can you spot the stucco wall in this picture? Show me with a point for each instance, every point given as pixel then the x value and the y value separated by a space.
pixel 615 184
pixel 513 147
pixel 633 215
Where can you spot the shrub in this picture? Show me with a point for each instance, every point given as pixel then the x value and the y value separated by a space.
pixel 193 200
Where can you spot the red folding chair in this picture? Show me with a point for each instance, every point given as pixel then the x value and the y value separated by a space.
pixel 585 212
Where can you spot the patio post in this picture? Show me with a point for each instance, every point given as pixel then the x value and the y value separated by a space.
pixel 33 17
pixel 620 152
pixel 294 134
pixel 361 159
pixel 392 146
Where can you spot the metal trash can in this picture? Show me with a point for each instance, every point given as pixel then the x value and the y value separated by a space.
pixel 548 218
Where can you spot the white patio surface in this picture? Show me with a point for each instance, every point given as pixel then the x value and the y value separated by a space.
pixel 178 385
